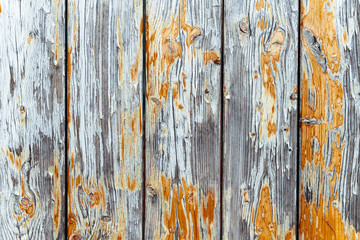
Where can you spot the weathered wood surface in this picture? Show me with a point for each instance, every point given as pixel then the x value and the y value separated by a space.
pixel 330 113
pixel 260 119
pixel 32 119
pixel 187 142
pixel 183 119
pixel 105 119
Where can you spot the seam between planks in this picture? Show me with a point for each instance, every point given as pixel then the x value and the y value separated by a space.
pixel 66 119
pixel 298 167
pixel 144 121
pixel 222 115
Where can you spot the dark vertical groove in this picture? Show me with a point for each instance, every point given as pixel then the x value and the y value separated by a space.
pixel 144 121
pixel 66 118
pixel 298 163
pixel 222 116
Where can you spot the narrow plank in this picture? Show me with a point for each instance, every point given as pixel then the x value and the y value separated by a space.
pixel 183 119
pixel 260 119
pixel 105 119
pixel 330 125
pixel 32 120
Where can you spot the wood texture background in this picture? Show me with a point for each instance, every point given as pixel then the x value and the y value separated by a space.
pixel 183 119
pixel 105 119
pixel 32 120
pixel 330 120
pixel 179 119
pixel 260 119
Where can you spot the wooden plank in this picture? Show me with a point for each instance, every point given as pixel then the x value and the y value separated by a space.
pixel 183 119
pixel 330 125
pixel 260 119
pixel 105 119
pixel 32 120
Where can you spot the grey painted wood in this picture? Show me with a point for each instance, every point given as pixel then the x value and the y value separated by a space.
pixel 330 125
pixel 105 119
pixel 32 107
pixel 183 119
pixel 260 119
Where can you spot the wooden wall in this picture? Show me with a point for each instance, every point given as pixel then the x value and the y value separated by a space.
pixel 179 119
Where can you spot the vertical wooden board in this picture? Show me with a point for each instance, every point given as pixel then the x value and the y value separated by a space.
pixel 32 119
pixel 105 119
pixel 183 119
pixel 260 119
pixel 330 126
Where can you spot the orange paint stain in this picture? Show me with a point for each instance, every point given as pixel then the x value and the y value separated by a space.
pixel 270 56
pixel 208 212
pixel 132 184
pixel 123 144
pixel 26 205
pixel 171 48
pixel 176 95
pixel 136 125
pixel 184 79
pixel 164 90
pixel 31 37
pixel 10 155
pixel 134 71
pixel 183 206
pixel 191 32
pixel 160 64
pixel 166 187
pixel 289 235
pixel 56 194
pixel 69 82
pixel 71 218
pixel 259 5
pixel 57 45
pixel 182 219
pixel 345 37
pixel 265 221
pixel 319 20
pixel 316 223
pixel 170 218
pixel 78 181
pixel 211 57
pixel 271 129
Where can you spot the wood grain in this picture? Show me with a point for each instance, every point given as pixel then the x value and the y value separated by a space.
pixel 260 119
pixel 330 120
pixel 183 119
pixel 32 120
pixel 105 119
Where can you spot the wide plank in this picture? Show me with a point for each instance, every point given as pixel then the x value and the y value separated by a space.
pixel 32 119
pixel 182 132
pixel 260 119
pixel 330 120
pixel 105 119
